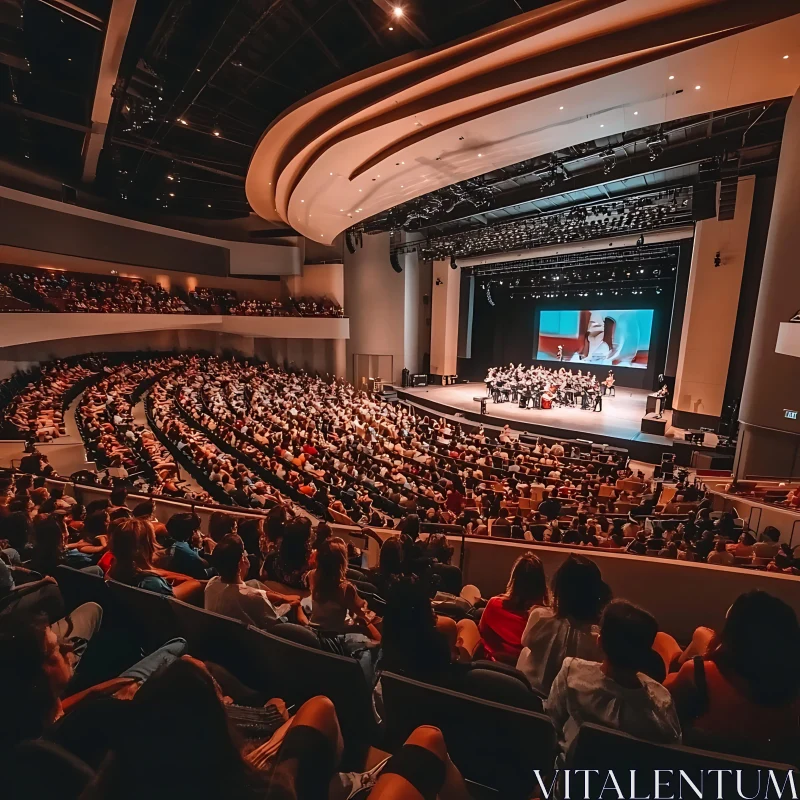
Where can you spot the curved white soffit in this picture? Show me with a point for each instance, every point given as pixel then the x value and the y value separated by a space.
pixel 518 90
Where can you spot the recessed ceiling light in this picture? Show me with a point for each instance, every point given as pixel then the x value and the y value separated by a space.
pixel 341 209
pixel 480 155
pixel 391 28
pixel 785 57
pixel 172 194
pixel 360 190
pixel 635 113
pixel 183 121
pixel 209 205
pixel 302 201
pixel 672 77
pixel 698 86
pixel 398 12
pixel 198 69
pixel 216 133
pixel 331 173
pixel 602 125
pixel 561 108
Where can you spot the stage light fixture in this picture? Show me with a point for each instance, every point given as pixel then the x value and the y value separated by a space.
pixel 398 12
pixel 453 264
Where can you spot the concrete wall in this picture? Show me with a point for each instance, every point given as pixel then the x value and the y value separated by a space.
pixel 376 299
pixel 39 223
pixel 446 295
pixel 710 316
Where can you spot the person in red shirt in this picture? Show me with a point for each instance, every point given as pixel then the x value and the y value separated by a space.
pixel 505 616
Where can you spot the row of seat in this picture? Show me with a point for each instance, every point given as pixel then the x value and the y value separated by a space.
pixel 497 740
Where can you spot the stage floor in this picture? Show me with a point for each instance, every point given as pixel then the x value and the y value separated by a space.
pixel 620 418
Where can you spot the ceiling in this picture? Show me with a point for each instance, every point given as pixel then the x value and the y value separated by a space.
pixel 227 68
pixel 538 83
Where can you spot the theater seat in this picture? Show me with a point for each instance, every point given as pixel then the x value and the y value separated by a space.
pixel 491 743
pixel 147 615
pixel 79 587
pixel 297 672
pixel 599 748
pixel 501 687
pixel 296 633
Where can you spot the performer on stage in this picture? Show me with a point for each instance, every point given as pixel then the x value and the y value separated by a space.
pixel 560 353
pixel 539 387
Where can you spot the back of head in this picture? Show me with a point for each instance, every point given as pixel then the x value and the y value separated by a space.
pixel 181 527
pixel 250 530
pixel 627 634
pixel 295 546
pixel 527 585
pixel 760 642
pixel 331 569
pixel 390 559
pixel 96 524
pixel 579 591
pixel 145 509
pixel 97 505
pixel 411 526
pixel 228 556
pixel 119 494
pixel 129 544
pixel 221 524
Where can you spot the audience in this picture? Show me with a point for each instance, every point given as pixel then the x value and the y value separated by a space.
pixel 569 628
pixel 505 616
pixel 615 692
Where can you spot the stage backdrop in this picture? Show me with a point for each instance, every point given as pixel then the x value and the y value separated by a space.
pixel 527 331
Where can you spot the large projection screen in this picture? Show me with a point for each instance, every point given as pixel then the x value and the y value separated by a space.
pixel 612 337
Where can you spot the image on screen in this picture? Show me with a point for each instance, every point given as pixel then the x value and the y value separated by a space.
pixel 613 338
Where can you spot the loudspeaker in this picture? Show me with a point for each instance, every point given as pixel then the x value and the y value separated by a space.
pixel 704 202
pixel 394 259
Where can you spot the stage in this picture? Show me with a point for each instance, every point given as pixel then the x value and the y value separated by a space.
pixel 618 424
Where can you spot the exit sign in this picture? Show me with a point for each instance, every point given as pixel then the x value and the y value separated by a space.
pixel 789 414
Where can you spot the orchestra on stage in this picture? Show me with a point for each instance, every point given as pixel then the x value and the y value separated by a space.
pixel 539 387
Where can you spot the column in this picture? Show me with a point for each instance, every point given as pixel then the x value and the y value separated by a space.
pixel 769 436
pixel 444 318
pixel 382 305
pixel 709 321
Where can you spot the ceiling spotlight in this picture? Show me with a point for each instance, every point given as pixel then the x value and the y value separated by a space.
pixel 391 28
pixel 453 264
pixel 635 113
pixel 672 77
pixel 398 12
pixel 561 108
pixel 785 57
pixel 182 121
pixel 216 132
pixel 172 194
pixel 170 178
pixel 209 205
pixel 480 155
pixel 698 86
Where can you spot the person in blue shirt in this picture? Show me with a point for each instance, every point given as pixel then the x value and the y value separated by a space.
pixel 184 558
pixel 131 547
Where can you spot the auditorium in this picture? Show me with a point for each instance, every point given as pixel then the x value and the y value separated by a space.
pixel 399 399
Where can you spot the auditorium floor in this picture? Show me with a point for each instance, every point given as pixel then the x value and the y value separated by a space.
pixel 621 416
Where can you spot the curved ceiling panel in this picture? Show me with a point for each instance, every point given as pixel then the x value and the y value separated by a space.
pixel 575 71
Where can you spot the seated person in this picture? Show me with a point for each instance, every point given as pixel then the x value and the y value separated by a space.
pixel 768 546
pixel 569 628
pixel 505 616
pixel 743 694
pixel 132 551
pixel 615 692
pixel 185 558
pixel 333 597
pixel 290 562
pixel 250 601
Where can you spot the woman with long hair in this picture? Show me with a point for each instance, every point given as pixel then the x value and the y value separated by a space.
pixel 290 563
pixel 744 694
pixel 131 544
pixel 504 619
pixel 570 627
pixel 333 597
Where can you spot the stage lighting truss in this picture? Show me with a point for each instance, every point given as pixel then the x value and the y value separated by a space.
pixel 637 214
pixel 650 269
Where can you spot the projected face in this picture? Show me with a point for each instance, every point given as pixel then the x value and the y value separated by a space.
pixel 613 338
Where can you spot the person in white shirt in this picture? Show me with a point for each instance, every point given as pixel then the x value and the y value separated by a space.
pixel 720 555
pixel 567 629
pixel 615 693
pixel 251 602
